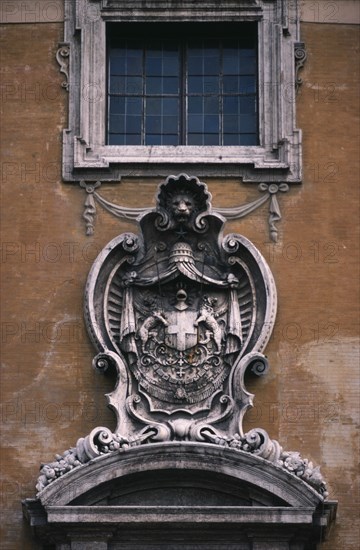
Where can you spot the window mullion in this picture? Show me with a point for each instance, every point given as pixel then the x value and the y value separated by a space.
pixel 221 94
pixel 183 93
pixel 143 102
pixel 108 98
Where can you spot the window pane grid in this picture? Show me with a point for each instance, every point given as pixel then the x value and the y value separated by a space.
pixel 196 92
pixel 234 70
pixel 162 121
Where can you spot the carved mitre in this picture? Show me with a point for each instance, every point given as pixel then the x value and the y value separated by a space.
pixel 181 313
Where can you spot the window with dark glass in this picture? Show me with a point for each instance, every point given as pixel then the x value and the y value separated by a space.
pixel 188 84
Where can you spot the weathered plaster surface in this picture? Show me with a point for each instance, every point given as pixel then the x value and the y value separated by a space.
pixel 315 265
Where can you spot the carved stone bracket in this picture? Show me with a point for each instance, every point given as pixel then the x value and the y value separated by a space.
pixel 90 208
pixel 300 58
pixel 231 213
pixel 63 57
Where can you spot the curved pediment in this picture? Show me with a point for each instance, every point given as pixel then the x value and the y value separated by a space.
pixel 238 476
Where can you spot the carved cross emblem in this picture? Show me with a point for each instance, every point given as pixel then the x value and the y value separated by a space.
pixel 181 333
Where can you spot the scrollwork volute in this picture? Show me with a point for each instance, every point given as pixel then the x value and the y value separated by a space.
pixel 63 57
pixel 300 58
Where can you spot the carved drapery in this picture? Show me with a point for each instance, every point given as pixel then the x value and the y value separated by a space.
pixel 230 213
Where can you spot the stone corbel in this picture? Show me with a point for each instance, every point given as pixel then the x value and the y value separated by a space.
pixel 63 57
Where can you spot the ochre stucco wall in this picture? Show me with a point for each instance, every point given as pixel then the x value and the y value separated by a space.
pixel 50 396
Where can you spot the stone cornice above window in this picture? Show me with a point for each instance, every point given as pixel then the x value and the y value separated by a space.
pixel 86 156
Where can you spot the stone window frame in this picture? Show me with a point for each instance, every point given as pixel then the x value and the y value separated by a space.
pixel 83 58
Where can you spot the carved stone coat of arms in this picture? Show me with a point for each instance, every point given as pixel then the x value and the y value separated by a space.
pixel 180 310
pixel 180 313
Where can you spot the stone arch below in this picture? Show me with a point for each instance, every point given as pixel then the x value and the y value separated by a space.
pixel 183 496
pixel 177 488
pixel 205 465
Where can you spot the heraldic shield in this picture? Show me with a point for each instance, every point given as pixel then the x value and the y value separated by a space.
pixel 181 313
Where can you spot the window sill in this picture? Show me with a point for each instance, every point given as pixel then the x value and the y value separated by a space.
pixel 252 163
